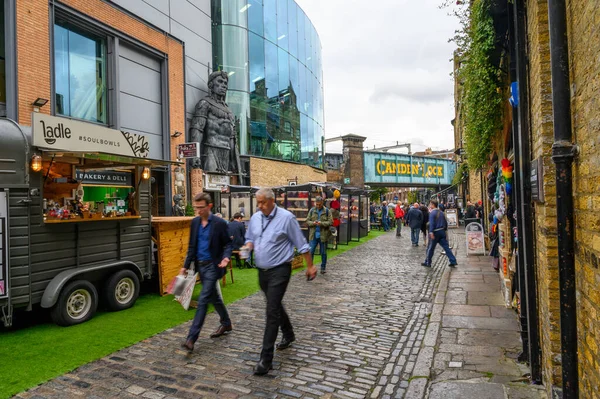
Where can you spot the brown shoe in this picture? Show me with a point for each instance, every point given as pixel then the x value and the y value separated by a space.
pixel 188 346
pixel 221 331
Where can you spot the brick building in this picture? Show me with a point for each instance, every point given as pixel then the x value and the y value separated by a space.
pixel 533 132
pixel 104 64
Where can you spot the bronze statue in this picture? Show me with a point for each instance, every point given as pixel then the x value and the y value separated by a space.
pixel 213 126
pixel 178 207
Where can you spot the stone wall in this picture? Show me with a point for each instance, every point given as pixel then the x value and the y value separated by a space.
pixel 475 189
pixel 584 44
pixel 545 241
pixel 273 173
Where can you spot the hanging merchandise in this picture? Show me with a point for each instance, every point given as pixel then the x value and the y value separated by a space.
pixel 507 175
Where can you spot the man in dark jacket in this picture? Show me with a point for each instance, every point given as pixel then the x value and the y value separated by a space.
pixel 425 211
pixel 437 234
pixel 237 233
pixel 415 220
pixel 210 250
pixel 471 211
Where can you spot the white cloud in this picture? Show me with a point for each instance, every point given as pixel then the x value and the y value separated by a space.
pixel 386 67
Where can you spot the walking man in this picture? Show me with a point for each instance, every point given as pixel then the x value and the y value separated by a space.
pixel 415 220
pixel 385 216
pixel 318 221
pixel 210 250
pixel 425 212
pixel 372 212
pixel 437 234
pixel 272 234
pixel 399 214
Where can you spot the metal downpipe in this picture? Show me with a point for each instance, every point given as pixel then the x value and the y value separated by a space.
pixel 563 152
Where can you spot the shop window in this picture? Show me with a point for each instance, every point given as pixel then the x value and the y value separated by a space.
pixel 80 73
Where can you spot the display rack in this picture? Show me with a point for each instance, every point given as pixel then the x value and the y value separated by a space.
pixel 364 215
pixel 237 199
pixel 344 228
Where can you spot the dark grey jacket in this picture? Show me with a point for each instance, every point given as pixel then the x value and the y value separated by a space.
pixel 415 218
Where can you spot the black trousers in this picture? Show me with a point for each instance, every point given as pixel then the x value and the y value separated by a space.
pixel 273 282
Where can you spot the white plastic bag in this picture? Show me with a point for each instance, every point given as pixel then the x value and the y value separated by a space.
pixel 176 285
pixel 188 289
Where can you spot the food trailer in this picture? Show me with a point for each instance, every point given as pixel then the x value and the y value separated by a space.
pixel 74 217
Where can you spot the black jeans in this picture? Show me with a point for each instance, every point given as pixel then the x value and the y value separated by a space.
pixel 273 282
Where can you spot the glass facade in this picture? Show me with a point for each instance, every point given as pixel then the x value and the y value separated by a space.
pixel 272 53
pixel 80 74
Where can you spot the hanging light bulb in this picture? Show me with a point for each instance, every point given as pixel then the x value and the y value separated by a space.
pixel 36 163
pixel 146 173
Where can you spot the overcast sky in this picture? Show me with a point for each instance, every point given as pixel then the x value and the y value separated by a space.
pixel 386 70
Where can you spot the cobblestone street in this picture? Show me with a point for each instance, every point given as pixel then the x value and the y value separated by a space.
pixel 358 329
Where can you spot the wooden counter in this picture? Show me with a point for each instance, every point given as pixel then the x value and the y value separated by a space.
pixel 81 220
pixel 171 235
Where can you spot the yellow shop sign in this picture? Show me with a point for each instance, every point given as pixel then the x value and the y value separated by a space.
pixel 383 167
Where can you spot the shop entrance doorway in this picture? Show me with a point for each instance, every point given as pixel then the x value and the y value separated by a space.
pixel 157 190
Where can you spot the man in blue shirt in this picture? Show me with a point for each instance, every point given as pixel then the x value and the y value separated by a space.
pixel 272 234
pixel 210 250
pixel 437 234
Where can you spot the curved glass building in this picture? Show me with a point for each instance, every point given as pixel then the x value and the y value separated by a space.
pixel 272 53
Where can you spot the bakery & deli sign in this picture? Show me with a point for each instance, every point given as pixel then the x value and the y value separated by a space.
pixel 385 167
pixel 64 134
pixel 104 177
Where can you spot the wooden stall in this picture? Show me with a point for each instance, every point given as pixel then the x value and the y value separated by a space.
pixel 171 236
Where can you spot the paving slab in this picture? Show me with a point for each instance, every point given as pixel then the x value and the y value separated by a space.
pixel 502 339
pixel 484 323
pixel 462 390
pixel 486 298
pixel 467 310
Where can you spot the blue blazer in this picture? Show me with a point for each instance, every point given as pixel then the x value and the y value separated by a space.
pixel 220 242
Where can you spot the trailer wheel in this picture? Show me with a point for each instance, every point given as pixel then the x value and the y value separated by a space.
pixel 76 304
pixel 121 290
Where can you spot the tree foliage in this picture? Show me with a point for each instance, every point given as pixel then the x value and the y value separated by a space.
pixel 376 194
pixel 481 95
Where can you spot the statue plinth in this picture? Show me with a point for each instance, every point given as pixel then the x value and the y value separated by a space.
pixel 196 182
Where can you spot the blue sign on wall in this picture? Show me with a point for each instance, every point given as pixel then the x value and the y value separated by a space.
pixel 382 167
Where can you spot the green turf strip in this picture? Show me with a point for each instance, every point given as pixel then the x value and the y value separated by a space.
pixel 32 354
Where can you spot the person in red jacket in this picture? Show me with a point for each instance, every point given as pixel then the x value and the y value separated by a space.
pixel 399 214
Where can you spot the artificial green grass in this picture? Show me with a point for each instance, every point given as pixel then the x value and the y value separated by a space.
pixel 34 354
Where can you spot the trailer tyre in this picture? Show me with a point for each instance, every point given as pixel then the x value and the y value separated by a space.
pixel 121 290
pixel 76 304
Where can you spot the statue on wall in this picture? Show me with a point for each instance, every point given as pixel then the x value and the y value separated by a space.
pixel 213 126
pixel 178 207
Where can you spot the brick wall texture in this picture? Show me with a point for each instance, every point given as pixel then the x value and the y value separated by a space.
pixel 545 214
pixel 584 46
pixel 273 173
pixel 33 55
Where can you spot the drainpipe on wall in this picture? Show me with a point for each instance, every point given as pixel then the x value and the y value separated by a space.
pixel 563 152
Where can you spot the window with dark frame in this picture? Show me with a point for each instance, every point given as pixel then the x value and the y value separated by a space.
pixel 80 73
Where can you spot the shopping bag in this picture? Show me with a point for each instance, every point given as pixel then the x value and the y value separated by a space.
pixel 176 285
pixel 188 289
